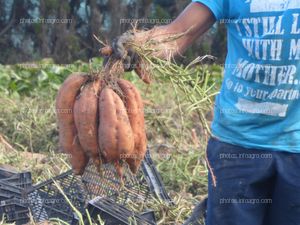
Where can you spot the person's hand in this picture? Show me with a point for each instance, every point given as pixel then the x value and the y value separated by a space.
pixel 120 50
pixel 123 52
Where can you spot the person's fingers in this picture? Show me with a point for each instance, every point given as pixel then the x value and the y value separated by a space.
pixel 127 63
pixel 130 61
pixel 118 48
pixel 118 43
pixel 134 60
pixel 128 56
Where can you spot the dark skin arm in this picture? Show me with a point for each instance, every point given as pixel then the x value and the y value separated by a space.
pixel 195 20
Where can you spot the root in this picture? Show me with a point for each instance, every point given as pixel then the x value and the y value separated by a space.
pixel 213 177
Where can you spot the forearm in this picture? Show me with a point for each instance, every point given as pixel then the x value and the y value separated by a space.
pixel 195 20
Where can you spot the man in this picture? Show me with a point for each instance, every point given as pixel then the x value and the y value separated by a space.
pixel 254 151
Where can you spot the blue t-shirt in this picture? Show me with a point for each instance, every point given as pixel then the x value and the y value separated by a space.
pixel 258 105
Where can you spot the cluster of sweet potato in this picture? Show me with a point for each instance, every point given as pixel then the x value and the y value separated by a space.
pixel 102 122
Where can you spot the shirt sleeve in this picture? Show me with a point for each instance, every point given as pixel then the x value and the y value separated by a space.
pixel 216 6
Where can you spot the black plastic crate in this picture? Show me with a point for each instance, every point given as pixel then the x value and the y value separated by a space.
pixel 12 205
pixel 14 211
pixel 154 179
pixel 9 191
pixel 47 202
pixel 22 179
pixel 4 173
pixel 115 214
pixel 108 184
pixel 198 215
pixel 139 188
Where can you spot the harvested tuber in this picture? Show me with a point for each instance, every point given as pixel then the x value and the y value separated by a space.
pixel 106 51
pixel 115 138
pixel 135 110
pixel 67 130
pixel 86 119
pixel 142 72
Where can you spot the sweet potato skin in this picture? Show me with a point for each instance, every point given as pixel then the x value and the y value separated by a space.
pixel 106 51
pixel 142 72
pixel 115 133
pixel 67 130
pixel 135 110
pixel 86 119
pixel 79 159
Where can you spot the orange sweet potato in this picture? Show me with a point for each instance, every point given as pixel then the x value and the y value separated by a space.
pixel 115 133
pixel 68 142
pixel 135 110
pixel 86 119
pixel 142 72
pixel 106 51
